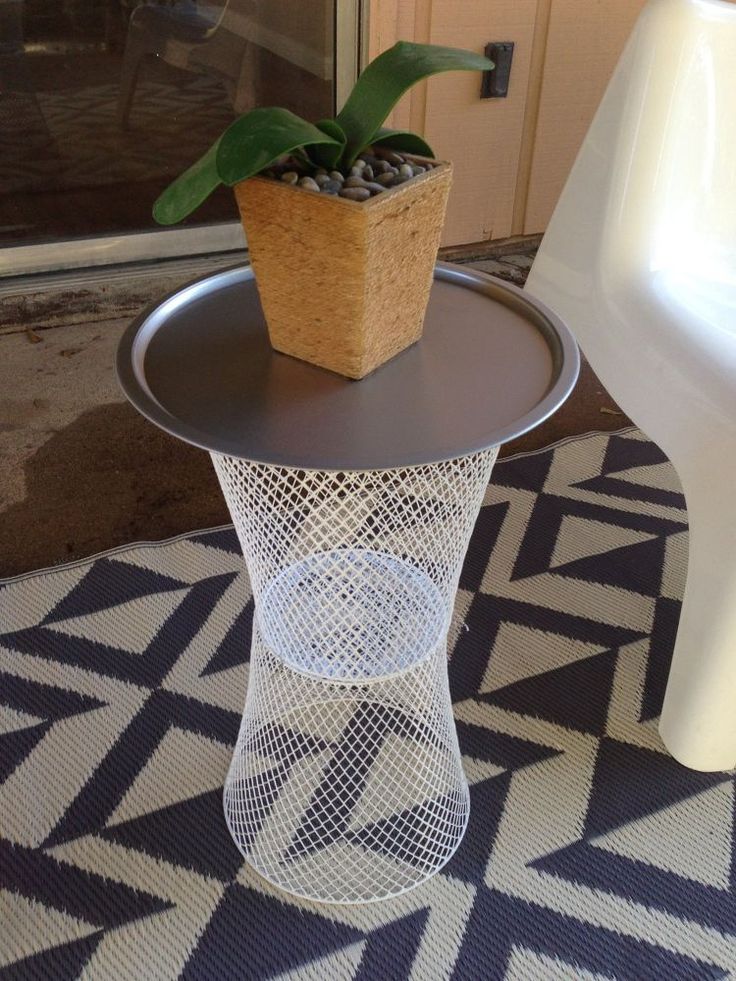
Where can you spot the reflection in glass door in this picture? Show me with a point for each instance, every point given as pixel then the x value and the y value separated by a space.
pixel 103 102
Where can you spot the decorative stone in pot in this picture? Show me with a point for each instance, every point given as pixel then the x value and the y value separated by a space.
pixel 344 282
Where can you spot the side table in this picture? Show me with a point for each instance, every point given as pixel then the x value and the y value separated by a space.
pixel 354 503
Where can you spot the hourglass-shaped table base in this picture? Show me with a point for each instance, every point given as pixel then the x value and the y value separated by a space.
pixel 354 503
pixel 347 784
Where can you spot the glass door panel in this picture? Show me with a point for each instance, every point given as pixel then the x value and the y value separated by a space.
pixel 103 102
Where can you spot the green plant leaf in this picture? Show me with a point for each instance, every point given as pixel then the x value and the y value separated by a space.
pixel 386 79
pixel 246 147
pixel 325 154
pixel 403 139
pixel 189 190
pixel 254 141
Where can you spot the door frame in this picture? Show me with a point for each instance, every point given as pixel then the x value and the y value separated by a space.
pixel 350 33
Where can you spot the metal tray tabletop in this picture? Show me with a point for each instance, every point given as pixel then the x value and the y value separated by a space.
pixel 493 363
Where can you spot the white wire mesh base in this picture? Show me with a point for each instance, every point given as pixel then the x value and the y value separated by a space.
pixel 346 784
pixel 351 614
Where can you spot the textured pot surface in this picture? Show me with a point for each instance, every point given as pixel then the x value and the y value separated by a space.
pixel 344 284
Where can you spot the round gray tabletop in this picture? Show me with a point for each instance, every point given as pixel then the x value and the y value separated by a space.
pixel 492 364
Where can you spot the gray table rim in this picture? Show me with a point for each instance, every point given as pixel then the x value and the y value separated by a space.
pixel 561 343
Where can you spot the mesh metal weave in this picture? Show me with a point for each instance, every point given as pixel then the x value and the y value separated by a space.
pixel 346 784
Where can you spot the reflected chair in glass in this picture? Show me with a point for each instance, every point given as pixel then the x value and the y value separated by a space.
pixel 226 40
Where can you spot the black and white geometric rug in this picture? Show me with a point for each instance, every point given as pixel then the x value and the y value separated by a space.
pixel 591 854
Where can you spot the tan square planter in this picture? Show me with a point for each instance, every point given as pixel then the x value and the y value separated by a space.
pixel 344 284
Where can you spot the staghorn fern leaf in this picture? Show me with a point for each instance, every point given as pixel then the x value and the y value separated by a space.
pixel 246 147
pixel 403 139
pixel 386 79
pixel 189 190
pixel 253 142
pixel 324 154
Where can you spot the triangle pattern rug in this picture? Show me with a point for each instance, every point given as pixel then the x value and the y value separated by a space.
pixel 590 852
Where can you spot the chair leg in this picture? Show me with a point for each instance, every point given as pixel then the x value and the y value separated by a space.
pixel 698 723
pixel 135 52
pixel 246 87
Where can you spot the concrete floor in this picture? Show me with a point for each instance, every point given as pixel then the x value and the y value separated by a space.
pixel 81 471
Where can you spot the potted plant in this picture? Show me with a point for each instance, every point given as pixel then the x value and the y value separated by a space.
pixel 343 217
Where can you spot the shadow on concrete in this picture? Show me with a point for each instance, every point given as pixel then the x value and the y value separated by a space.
pixel 110 478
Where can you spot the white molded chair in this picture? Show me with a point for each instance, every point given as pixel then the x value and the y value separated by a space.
pixel 640 261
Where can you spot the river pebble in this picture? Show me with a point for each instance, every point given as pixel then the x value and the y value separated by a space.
pixel 376 170
pixel 390 155
pixel 355 193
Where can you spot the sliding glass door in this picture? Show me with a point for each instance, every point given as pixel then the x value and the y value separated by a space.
pixel 105 101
